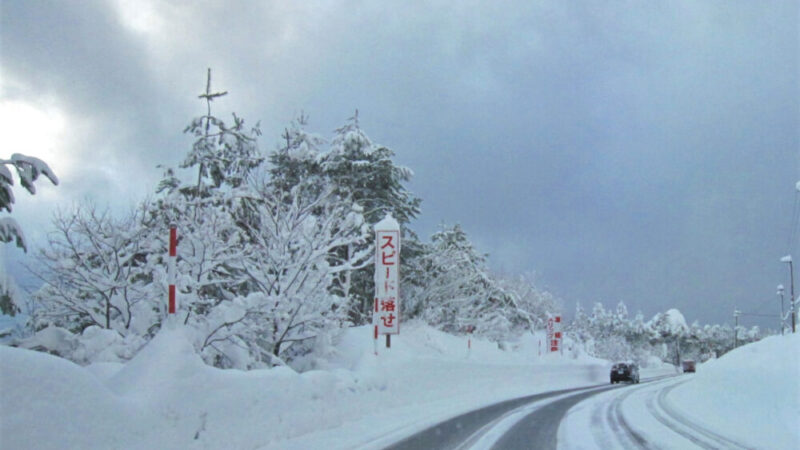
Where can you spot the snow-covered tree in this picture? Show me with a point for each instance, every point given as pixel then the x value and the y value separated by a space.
pixel 28 170
pixel 354 169
pixel 288 263
pixel 296 165
pixel 92 272
pixel 534 304
pixel 222 153
pixel 9 303
pixel 205 210
pixel 458 290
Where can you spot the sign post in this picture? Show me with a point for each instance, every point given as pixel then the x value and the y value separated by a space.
pixel 554 333
pixel 386 315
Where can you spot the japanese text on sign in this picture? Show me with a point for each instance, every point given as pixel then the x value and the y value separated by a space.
pixel 387 263
pixel 554 333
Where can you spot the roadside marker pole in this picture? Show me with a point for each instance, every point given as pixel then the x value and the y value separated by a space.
pixel 173 256
pixel 374 321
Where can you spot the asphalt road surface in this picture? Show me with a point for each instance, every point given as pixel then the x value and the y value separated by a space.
pixel 465 430
pixel 532 422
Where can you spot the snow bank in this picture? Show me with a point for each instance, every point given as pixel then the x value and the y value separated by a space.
pixel 48 402
pixel 165 397
pixel 753 393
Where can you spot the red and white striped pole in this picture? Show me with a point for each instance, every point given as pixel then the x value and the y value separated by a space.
pixel 375 324
pixel 173 256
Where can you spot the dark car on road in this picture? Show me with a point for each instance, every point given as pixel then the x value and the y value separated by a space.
pixel 624 372
pixel 688 365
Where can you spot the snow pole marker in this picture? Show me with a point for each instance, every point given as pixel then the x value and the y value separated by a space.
pixel 375 338
pixel 173 256
pixel 469 329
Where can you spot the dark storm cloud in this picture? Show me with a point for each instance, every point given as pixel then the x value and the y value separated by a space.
pixel 641 154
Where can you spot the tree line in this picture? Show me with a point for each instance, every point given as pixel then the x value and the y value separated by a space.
pixel 275 254
pixel 614 335
pixel 275 258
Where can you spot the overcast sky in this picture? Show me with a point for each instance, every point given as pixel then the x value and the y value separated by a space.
pixel 637 151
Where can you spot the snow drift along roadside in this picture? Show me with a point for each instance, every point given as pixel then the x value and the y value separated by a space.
pixel 165 397
pixel 752 393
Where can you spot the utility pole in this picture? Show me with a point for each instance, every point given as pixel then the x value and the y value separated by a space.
pixel 791 290
pixel 736 313
pixel 788 259
pixel 780 294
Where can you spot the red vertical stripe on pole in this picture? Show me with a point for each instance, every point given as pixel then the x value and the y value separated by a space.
pixel 172 299
pixel 173 241
pixel 173 253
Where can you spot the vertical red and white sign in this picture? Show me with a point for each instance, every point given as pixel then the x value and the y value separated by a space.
pixel 386 317
pixel 554 333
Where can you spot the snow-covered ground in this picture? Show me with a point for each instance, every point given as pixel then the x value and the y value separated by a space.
pixel 749 398
pixel 167 398
pixel 752 393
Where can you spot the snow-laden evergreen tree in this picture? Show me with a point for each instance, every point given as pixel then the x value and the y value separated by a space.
pixel 532 303
pixel 666 336
pixel 578 329
pixel 365 172
pixel 620 321
pixel 296 165
pixel 459 292
pixel 601 322
pixel 28 170
pixel 670 328
pixel 9 302
pixel 357 170
pixel 222 153
pixel 204 210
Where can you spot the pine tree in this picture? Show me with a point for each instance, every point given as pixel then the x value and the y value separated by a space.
pixel 222 154
pixel 355 170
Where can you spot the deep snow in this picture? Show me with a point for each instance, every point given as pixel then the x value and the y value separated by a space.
pixel 167 398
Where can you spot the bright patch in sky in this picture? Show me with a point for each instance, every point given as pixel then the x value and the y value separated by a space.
pixel 34 131
pixel 138 15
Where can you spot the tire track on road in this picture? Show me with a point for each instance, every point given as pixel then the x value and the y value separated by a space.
pixel 660 408
pixel 615 416
pixel 621 431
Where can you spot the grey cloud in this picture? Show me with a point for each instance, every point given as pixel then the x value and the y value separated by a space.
pixel 644 154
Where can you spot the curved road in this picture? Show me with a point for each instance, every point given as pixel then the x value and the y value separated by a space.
pixel 533 422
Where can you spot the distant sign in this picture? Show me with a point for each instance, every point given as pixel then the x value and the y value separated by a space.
pixel 554 333
pixel 387 274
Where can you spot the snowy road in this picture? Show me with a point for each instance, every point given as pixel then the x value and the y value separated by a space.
pixel 642 416
pixel 602 417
